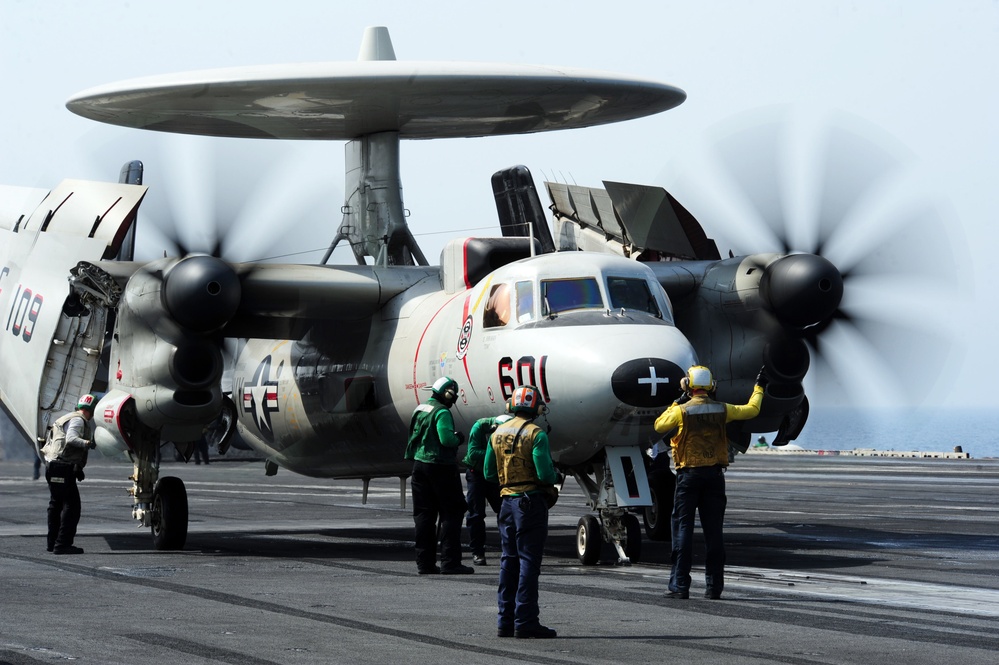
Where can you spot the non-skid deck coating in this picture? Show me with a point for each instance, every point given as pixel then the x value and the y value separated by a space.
pixel 830 560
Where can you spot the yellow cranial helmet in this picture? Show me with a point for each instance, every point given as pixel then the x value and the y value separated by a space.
pixel 699 378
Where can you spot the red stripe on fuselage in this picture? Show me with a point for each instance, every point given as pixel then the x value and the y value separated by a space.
pixel 464 356
pixel 416 390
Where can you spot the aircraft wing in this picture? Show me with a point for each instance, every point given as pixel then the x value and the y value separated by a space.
pixel 42 241
pixel 280 301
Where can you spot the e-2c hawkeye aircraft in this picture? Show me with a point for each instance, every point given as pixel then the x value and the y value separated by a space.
pixel 326 362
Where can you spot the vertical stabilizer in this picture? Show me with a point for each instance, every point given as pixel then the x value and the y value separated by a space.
pixel 131 174
pixel 519 208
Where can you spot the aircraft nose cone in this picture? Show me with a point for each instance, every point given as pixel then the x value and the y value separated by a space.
pixel 647 382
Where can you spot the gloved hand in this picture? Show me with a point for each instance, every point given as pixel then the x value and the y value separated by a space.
pixel 762 379
pixel 92 445
pixel 461 437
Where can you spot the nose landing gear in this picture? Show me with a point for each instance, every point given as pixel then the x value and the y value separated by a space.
pixel 613 483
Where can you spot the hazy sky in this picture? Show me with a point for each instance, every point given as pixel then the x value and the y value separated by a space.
pixel 915 79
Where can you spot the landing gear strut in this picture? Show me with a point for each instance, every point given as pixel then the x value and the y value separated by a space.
pixel 158 503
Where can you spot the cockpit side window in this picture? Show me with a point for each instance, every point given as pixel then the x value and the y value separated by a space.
pixel 561 295
pixel 497 312
pixel 525 301
pixel 631 293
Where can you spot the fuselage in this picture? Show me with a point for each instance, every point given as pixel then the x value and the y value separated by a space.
pixel 593 332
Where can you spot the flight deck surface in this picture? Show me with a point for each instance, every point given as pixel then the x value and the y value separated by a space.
pixel 830 560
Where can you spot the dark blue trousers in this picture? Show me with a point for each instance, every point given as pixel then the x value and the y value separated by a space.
pixel 478 491
pixel 523 527
pixel 700 489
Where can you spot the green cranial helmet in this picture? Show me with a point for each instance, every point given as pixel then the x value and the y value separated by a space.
pixel 445 389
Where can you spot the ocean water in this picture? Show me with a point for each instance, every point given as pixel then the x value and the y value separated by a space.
pixel 928 429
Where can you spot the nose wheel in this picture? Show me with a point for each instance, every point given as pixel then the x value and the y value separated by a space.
pixel 588 540
pixel 624 531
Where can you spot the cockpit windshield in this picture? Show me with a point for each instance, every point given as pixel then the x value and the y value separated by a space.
pixel 632 293
pixel 561 295
pixel 524 300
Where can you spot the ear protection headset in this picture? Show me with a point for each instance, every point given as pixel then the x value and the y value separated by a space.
pixel 446 389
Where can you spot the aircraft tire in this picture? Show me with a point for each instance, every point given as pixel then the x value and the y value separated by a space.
pixel 169 514
pixel 657 516
pixel 633 530
pixel 588 540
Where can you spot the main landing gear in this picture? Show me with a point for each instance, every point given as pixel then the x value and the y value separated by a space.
pixel 161 503
pixel 169 515
pixel 158 503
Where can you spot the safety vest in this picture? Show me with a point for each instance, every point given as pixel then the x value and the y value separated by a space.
pixel 513 446
pixel 55 447
pixel 701 439
pixel 424 444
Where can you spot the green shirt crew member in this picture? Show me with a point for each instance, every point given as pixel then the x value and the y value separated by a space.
pixel 438 502
pixel 478 490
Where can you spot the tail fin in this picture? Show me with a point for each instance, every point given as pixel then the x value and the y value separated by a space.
pixel 131 174
pixel 519 207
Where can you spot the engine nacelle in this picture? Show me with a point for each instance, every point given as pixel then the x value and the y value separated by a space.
pixel 114 422
pixel 173 371
pixel 745 313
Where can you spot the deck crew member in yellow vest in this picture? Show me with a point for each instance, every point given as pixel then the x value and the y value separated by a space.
pixel 700 455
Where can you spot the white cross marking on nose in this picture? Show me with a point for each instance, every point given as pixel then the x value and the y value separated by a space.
pixel 653 380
